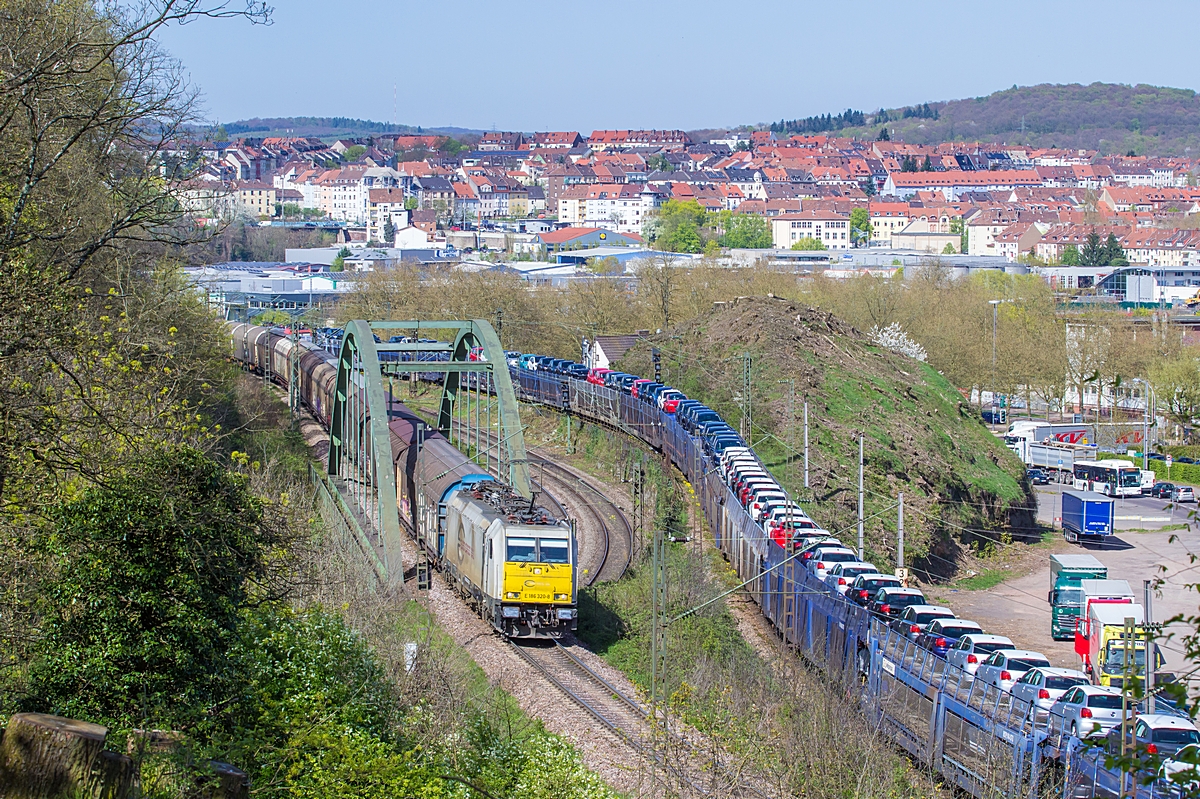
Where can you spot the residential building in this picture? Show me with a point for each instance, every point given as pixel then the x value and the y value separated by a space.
pixel 557 140
pixel 831 228
pixel 255 198
pixel 886 219
pixel 626 139
pixel 383 206
pixel 953 183
pixel 493 141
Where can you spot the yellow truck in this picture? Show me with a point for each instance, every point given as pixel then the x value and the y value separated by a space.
pixel 1102 643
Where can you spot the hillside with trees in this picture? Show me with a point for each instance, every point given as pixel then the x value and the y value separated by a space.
pixel 1109 117
pixel 160 580
pixel 330 127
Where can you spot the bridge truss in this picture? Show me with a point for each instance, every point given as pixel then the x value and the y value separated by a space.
pixel 478 412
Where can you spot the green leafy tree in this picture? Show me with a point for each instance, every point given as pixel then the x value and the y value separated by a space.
pixel 410 204
pixel 676 226
pixel 860 225
pixel 746 231
pixel 883 135
pixel 927 165
pixel 339 261
pixel 353 153
pixel 151 574
pixel 1176 383
pixel 686 238
pixel 908 164
pixel 960 227
pixel 948 249
pixel 809 243
pixel 658 163
pixel 273 317
pixel 1070 255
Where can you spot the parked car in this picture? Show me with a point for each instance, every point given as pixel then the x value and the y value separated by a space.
pixel 842 574
pixel 969 650
pixel 825 557
pixel 1183 494
pixel 941 634
pixel 865 586
pixel 915 618
pixel 1182 769
pixel 1153 734
pixel 596 376
pixel 891 602
pixel 1162 490
pixel 1087 710
pixel 1044 685
pixel 1185 459
pixel 1037 477
pixel 1004 667
pixel 809 550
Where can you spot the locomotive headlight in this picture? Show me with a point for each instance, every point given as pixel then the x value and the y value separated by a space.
pixel 566 613
pixel 512 595
pixel 510 612
pixel 561 597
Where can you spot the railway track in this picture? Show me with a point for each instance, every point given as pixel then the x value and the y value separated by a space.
pixel 684 771
pixel 600 515
pixel 596 514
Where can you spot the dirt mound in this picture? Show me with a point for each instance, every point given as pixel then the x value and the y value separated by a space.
pixel 962 488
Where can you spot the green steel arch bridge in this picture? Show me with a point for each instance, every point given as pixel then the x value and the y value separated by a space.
pixel 478 415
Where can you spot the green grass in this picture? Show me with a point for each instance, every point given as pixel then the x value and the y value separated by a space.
pixel 984 580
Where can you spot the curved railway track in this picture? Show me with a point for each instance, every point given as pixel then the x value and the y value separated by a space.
pixel 595 513
pixel 604 518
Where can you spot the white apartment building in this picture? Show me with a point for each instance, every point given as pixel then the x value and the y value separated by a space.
pixel 828 227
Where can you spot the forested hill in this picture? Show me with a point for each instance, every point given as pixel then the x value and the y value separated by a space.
pixel 1110 117
pixel 325 127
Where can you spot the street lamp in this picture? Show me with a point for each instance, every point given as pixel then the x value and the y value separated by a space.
pixel 995 305
pixel 1145 420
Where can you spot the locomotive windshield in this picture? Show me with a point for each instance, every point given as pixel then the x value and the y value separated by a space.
pixel 533 550
pixel 555 550
pixel 521 550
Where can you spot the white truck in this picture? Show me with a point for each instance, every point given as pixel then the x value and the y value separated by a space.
pixel 1024 434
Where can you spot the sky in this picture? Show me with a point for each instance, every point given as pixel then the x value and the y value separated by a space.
pixel 662 63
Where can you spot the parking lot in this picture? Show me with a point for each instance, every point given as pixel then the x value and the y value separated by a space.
pixel 1141 549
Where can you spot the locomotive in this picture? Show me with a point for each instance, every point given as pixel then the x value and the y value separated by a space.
pixel 512 559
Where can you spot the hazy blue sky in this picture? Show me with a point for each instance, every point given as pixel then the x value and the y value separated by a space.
pixel 666 64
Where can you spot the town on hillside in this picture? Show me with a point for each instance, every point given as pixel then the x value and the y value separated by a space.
pixel 546 204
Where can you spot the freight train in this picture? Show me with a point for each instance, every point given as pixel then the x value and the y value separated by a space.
pixel 979 738
pixel 512 560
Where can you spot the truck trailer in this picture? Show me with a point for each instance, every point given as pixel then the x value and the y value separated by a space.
pixel 1066 594
pixel 1024 433
pixel 1057 459
pixel 1086 514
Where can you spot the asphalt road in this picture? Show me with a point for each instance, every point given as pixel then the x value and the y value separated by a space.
pixel 1140 550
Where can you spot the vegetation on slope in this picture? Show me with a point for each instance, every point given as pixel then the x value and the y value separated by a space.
pixel 762 712
pixel 960 484
pixel 161 562
pixel 1109 117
